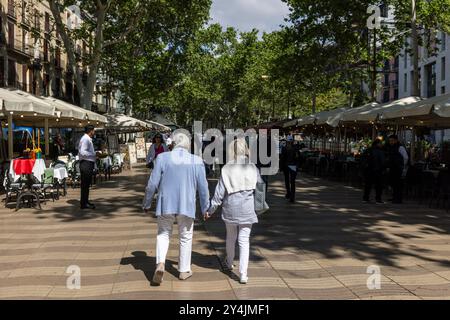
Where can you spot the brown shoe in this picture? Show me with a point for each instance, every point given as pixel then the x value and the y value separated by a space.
pixel 159 273
pixel 185 275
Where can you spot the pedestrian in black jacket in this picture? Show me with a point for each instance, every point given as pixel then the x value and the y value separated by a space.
pixel 398 165
pixel 374 164
pixel 289 162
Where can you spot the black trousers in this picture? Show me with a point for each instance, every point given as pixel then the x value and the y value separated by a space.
pixel 289 180
pixel 87 171
pixel 373 179
pixel 266 181
pixel 396 182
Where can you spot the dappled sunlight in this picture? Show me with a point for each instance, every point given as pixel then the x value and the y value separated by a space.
pixel 330 220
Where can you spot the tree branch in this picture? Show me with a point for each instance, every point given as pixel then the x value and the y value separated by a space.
pixel 132 26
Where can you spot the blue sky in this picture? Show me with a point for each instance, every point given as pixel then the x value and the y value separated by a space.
pixel 264 15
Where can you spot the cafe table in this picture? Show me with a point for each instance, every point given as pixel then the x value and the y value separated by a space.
pixel 60 173
pixel 107 162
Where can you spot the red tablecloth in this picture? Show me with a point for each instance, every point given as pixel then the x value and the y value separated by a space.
pixel 23 166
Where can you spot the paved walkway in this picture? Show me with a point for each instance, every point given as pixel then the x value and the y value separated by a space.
pixel 318 248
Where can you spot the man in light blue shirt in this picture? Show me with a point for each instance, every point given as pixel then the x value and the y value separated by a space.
pixel 177 176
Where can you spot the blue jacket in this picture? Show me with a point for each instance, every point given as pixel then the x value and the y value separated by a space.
pixel 177 176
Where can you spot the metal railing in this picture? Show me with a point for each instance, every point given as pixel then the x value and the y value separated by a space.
pixel 20 46
pixel 11 9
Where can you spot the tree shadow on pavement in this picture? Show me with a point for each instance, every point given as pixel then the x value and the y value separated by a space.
pixel 329 221
pixel 141 261
pixel 105 208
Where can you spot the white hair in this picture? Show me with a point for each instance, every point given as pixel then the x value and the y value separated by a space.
pixel 181 140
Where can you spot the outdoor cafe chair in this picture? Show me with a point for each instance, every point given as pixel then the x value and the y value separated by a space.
pixel 47 186
pixel 75 174
pixel 12 188
pixel 100 171
pixel 117 165
pixel 63 183
pixel 442 192
pixel 412 181
pixel 426 187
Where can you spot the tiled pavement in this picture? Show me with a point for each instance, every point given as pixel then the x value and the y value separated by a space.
pixel 318 248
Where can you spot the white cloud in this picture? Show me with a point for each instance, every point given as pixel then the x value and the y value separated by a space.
pixel 264 15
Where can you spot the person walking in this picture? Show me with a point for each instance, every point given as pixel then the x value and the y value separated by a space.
pixel 373 169
pixel 398 165
pixel 235 192
pixel 178 175
pixel 158 146
pixel 288 163
pixel 87 157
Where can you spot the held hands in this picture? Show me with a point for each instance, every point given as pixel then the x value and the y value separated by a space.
pixel 206 216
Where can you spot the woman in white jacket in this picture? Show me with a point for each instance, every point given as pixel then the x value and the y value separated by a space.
pixel 235 192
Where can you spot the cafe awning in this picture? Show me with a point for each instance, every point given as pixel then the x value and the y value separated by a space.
pixel 330 117
pixel 374 111
pixel 158 126
pixel 161 120
pixel 123 123
pixel 442 106
pixel 415 108
pixel 433 112
pixel 290 123
pixel 22 104
pixel 362 113
pixel 306 120
pixel 66 110
pixel 71 114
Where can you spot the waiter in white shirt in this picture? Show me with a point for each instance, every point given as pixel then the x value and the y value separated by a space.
pixel 87 157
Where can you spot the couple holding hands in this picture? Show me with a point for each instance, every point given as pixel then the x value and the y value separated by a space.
pixel 177 176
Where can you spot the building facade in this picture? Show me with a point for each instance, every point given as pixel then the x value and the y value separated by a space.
pixel 433 69
pixel 434 75
pixel 33 59
pixel 389 81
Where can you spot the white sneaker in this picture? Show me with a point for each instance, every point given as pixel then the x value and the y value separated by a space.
pixel 243 279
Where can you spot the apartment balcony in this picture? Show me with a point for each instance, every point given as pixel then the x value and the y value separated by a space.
pixel 11 10
pixel 19 47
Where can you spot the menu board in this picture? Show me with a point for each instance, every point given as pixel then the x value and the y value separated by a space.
pixel 132 152
pixel 141 151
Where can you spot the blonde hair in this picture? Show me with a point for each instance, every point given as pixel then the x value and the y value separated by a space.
pixel 238 148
